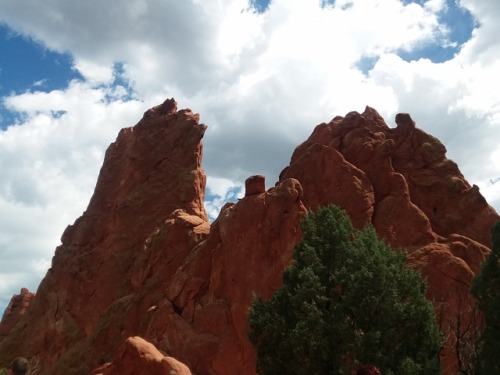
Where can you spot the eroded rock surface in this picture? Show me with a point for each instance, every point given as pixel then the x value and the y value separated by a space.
pixel 143 260
pixel 14 311
pixel 138 357
pixel 150 172
pixel 399 180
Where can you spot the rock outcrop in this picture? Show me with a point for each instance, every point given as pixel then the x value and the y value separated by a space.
pixel 143 260
pixel 14 311
pixel 151 173
pixel 400 181
pixel 138 357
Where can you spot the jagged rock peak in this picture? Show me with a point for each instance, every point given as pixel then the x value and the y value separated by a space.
pixel 168 107
pixel 404 119
pixel 151 173
pixel 143 260
pixel 14 311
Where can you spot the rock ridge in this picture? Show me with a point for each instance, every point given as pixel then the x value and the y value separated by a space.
pixel 144 263
pixel 14 311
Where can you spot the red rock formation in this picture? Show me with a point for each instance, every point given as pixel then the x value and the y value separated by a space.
pixel 400 181
pixel 206 302
pixel 144 261
pixel 255 185
pixel 15 309
pixel 139 357
pixel 150 171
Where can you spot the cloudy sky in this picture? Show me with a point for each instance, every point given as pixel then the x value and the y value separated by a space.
pixel 261 74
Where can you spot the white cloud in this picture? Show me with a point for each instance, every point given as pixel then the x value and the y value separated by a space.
pixel 484 47
pixel 218 192
pixel 94 73
pixel 221 186
pixel 49 164
pixel 261 82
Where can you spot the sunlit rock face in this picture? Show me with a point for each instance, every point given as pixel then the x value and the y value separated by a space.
pixel 151 173
pixel 143 261
pixel 138 357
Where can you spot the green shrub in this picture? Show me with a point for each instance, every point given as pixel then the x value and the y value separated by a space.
pixel 347 299
pixel 486 289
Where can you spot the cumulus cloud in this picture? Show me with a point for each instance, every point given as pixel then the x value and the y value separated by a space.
pixel 260 80
pixel 219 191
pixel 49 163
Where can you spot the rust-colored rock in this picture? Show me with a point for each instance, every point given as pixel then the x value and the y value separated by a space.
pixel 255 185
pixel 400 181
pixel 368 370
pixel 150 172
pixel 14 311
pixel 139 357
pixel 143 260
pixel 400 178
pixel 249 246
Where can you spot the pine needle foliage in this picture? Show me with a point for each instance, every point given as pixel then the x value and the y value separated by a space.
pixel 486 289
pixel 347 299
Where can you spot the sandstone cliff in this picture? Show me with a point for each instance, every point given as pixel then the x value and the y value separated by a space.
pixel 143 260
pixel 14 311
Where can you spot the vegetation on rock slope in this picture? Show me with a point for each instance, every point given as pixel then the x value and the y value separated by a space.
pixel 347 299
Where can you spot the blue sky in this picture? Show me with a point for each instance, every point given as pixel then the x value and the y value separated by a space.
pixel 262 74
pixel 28 66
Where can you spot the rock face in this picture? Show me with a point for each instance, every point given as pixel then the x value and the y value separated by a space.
pixel 14 311
pixel 139 357
pixel 143 260
pixel 151 173
pixel 400 181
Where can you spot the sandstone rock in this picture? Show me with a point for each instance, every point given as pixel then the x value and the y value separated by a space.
pixel 400 181
pixel 328 178
pixel 150 171
pixel 449 268
pixel 15 309
pixel 143 260
pixel 255 185
pixel 139 357
pixel 202 319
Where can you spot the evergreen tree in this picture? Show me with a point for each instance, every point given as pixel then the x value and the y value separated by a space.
pixel 486 289
pixel 346 299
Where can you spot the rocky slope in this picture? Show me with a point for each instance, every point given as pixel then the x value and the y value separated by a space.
pixel 143 260
pixel 14 311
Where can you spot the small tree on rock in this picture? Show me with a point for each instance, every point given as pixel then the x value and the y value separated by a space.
pixel 486 289
pixel 347 299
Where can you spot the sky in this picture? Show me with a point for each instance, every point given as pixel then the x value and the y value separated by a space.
pixel 262 74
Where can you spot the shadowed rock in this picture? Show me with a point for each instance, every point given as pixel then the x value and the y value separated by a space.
pixel 14 311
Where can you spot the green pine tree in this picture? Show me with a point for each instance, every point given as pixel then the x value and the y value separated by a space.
pixel 346 299
pixel 486 289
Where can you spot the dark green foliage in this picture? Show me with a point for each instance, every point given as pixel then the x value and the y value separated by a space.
pixel 486 289
pixel 346 299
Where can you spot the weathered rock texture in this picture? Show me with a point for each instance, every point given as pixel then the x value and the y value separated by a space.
pixel 139 357
pixel 400 181
pixel 143 260
pixel 14 311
